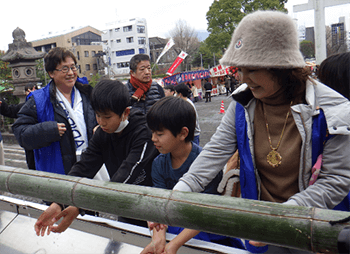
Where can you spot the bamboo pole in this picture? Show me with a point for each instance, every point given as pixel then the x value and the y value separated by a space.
pixel 296 227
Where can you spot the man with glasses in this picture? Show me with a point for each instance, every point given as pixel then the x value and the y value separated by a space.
pixel 58 120
pixel 144 93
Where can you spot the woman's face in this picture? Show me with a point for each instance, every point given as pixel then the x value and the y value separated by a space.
pixel 260 81
pixel 64 80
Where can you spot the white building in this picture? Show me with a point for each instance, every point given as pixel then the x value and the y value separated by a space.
pixel 301 32
pixel 121 41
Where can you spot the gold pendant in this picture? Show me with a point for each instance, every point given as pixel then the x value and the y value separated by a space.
pixel 274 158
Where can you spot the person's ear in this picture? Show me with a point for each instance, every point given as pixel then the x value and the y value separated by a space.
pixel 126 113
pixel 184 133
pixel 132 73
pixel 50 74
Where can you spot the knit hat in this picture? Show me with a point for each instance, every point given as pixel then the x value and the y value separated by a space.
pixel 265 39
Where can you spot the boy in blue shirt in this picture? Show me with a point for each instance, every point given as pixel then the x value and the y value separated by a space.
pixel 172 121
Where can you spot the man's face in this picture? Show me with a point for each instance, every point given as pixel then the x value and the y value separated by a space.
pixel 143 72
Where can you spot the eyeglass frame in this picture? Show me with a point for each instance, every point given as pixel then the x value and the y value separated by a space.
pixel 68 68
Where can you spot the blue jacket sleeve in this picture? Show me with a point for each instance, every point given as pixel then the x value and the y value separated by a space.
pixel 29 133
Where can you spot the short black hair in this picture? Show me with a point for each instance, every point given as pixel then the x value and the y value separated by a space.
pixel 136 59
pixel 334 72
pixel 170 87
pixel 56 56
pixel 172 113
pixel 183 89
pixel 29 86
pixel 110 95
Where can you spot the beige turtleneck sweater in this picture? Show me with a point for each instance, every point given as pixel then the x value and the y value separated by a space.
pixel 279 183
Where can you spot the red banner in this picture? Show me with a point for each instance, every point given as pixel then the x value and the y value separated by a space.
pixel 176 63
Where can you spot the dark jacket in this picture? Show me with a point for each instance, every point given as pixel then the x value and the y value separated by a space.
pixel 128 156
pixel 154 94
pixel 208 86
pixel 32 135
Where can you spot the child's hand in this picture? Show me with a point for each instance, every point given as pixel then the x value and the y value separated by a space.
pixel 156 226
pixel 154 248
pixel 170 249
pixel 45 220
pixel 257 244
pixel 68 214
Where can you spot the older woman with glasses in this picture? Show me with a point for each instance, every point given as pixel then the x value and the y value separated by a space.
pixel 58 120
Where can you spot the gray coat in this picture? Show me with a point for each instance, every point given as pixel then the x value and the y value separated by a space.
pixel 332 184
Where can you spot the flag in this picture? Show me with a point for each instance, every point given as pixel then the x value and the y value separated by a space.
pixel 166 48
pixel 176 63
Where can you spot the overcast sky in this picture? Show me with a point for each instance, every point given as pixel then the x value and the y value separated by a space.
pixel 39 17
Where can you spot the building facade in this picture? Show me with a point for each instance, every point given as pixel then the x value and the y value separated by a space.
pixel 84 42
pixel 121 41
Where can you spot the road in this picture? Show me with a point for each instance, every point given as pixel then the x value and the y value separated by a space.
pixel 209 116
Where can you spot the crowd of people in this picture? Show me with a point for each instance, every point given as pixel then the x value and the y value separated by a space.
pixel 143 134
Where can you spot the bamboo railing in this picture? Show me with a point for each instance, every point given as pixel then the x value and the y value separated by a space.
pixel 296 227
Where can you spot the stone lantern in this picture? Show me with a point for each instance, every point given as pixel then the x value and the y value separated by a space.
pixel 22 56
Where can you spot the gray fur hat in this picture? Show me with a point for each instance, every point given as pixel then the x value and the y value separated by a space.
pixel 265 39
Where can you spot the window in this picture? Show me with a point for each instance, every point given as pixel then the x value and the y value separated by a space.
pixel 86 38
pixel 93 53
pixel 141 29
pixel 86 53
pixel 127 28
pixel 125 52
pixel 118 40
pixel 78 55
pixel 94 67
pixel 142 40
pixel 79 69
pixel 117 29
pixel 87 67
pixel 129 39
pixel 123 65
pixel 142 51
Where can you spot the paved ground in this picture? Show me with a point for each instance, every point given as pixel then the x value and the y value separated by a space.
pixel 209 116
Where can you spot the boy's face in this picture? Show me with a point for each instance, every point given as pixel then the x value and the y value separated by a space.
pixel 168 92
pixel 165 141
pixel 110 121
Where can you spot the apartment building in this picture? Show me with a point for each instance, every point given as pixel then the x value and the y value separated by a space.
pixel 121 41
pixel 84 42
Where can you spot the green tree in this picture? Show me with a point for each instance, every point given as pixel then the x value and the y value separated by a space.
pixel 94 80
pixel 5 73
pixel 307 48
pixel 41 73
pixel 204 57
pixel 224 15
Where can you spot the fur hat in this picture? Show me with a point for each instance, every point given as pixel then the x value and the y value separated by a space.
pixel 265 39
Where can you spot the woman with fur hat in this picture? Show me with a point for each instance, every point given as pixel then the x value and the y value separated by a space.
pixel 270 122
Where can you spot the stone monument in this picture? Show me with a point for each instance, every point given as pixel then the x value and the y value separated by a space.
pixel 22 56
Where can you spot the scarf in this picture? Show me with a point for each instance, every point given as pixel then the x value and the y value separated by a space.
pixel 141 88
pixel 75 116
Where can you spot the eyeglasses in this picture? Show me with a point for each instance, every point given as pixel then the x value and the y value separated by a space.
pixel 66 69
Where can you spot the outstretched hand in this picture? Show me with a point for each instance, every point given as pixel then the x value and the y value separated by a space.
pixel 257 244
pixel 45 220
pixel 156 226
pixel 68 214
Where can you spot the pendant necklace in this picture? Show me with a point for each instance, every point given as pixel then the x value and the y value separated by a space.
pixel 274 158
